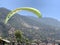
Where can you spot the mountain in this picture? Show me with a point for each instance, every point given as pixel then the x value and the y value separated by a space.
pixel 48 21
pixel 33 28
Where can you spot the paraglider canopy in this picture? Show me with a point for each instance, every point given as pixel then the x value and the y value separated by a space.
pixel 33 10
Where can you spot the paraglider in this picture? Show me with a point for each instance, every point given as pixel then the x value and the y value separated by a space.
pixel 33 10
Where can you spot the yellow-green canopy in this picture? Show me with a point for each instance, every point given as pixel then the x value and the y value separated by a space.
pixel 35 11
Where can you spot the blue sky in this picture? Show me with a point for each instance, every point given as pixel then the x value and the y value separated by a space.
pixel 48 8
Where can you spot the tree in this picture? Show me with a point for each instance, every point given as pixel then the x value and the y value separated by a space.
pixel 19 36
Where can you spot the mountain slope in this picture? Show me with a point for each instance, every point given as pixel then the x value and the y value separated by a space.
pixel 48 21
pixel 33 28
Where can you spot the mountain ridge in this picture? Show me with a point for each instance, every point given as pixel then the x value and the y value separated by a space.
pixel 33 28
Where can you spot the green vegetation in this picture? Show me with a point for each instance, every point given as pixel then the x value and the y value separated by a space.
pixel 20 38
pixel 18 35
